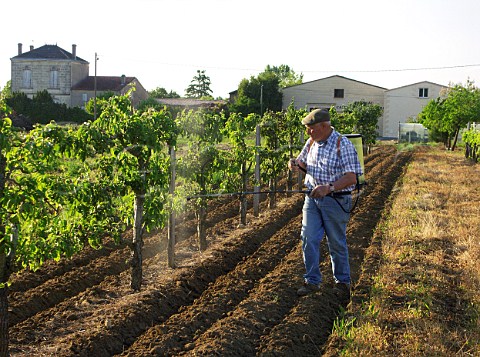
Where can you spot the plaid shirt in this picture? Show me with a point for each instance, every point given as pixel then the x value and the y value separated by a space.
pixel 326 162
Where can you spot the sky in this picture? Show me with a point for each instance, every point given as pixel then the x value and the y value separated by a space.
pixel 164 42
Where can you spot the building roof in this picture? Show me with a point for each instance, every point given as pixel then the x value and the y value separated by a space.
pixel 51 52
pixel 337 76
pixel 188 102
pixel 416 84
pixel 104 83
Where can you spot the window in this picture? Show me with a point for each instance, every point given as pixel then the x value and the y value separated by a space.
pixel 338 93
pixel 27 78
pixel 53 78
pixel 423 92
pixel 84 100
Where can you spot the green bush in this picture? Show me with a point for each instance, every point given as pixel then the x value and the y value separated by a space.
pixel 42 109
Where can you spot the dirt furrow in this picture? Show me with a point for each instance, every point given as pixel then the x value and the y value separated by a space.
pixel 215 303
pixel 112 331
pixel 379 153
pixel 30 296
pixel 28 279
pixel 238 334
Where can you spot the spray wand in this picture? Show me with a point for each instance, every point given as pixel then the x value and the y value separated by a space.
pixel 246 193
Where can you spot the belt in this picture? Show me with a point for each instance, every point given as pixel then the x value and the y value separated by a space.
pixel 339 194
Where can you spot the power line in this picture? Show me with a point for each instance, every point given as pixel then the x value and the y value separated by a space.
pixel 309 71
pixel 402 69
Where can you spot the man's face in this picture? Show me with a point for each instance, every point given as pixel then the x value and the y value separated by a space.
pixel 317 131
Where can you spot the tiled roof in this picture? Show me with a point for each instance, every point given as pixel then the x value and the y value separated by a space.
pixel 104 83
pixel 49 52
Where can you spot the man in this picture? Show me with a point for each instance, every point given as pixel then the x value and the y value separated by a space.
pixel 331 164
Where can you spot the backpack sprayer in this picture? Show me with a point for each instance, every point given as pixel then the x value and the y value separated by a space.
pixel 356 140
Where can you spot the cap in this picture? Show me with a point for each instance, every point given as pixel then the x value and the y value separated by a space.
pixel 316 116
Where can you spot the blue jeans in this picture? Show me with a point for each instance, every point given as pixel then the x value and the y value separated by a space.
pixel 324 215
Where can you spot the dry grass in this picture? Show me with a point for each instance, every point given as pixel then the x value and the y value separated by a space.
pixel 425 296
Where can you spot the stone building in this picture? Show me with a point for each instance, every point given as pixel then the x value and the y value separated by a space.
pixel 65 76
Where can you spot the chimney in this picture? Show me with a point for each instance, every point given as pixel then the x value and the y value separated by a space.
pixel 19 48
pixel 31 47
pixel 74 52
pixel 123 80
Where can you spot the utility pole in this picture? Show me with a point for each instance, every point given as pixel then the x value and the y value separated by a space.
pixel 261 100
pixel 95 90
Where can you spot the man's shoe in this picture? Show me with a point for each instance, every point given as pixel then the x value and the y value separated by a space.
pixel 307 289
pixel 342 290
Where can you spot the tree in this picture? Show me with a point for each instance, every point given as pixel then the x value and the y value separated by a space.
pixel 358 118
pixel 7 90
pixel 258 95
pixel 42 108
pixel 161 92
pixel 448 115
pixel 462 106
pixel 287 76
pixel 199 86
pixel 431 117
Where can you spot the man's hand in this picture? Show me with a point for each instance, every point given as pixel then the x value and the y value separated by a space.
pixel 320 191
pixel 293 165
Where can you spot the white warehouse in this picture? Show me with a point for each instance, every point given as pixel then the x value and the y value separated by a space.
pixel 399 104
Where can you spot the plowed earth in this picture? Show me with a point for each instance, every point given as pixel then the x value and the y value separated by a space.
pixel 238 298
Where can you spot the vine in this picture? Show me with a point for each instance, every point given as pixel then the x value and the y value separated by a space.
pixel 202 163
pixel 471 138
pixel 240 157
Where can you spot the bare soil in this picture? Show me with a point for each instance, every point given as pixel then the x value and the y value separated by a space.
pixel 238 298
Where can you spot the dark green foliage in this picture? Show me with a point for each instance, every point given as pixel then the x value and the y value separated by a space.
pixel 161 92
pixel 42 109
pixel 199 86
pixel 258 95
pixel 286 75
pixel 262 93
pixel 358 118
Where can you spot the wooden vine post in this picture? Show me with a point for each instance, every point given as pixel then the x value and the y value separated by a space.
pixel 171 215
pixel 257 187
